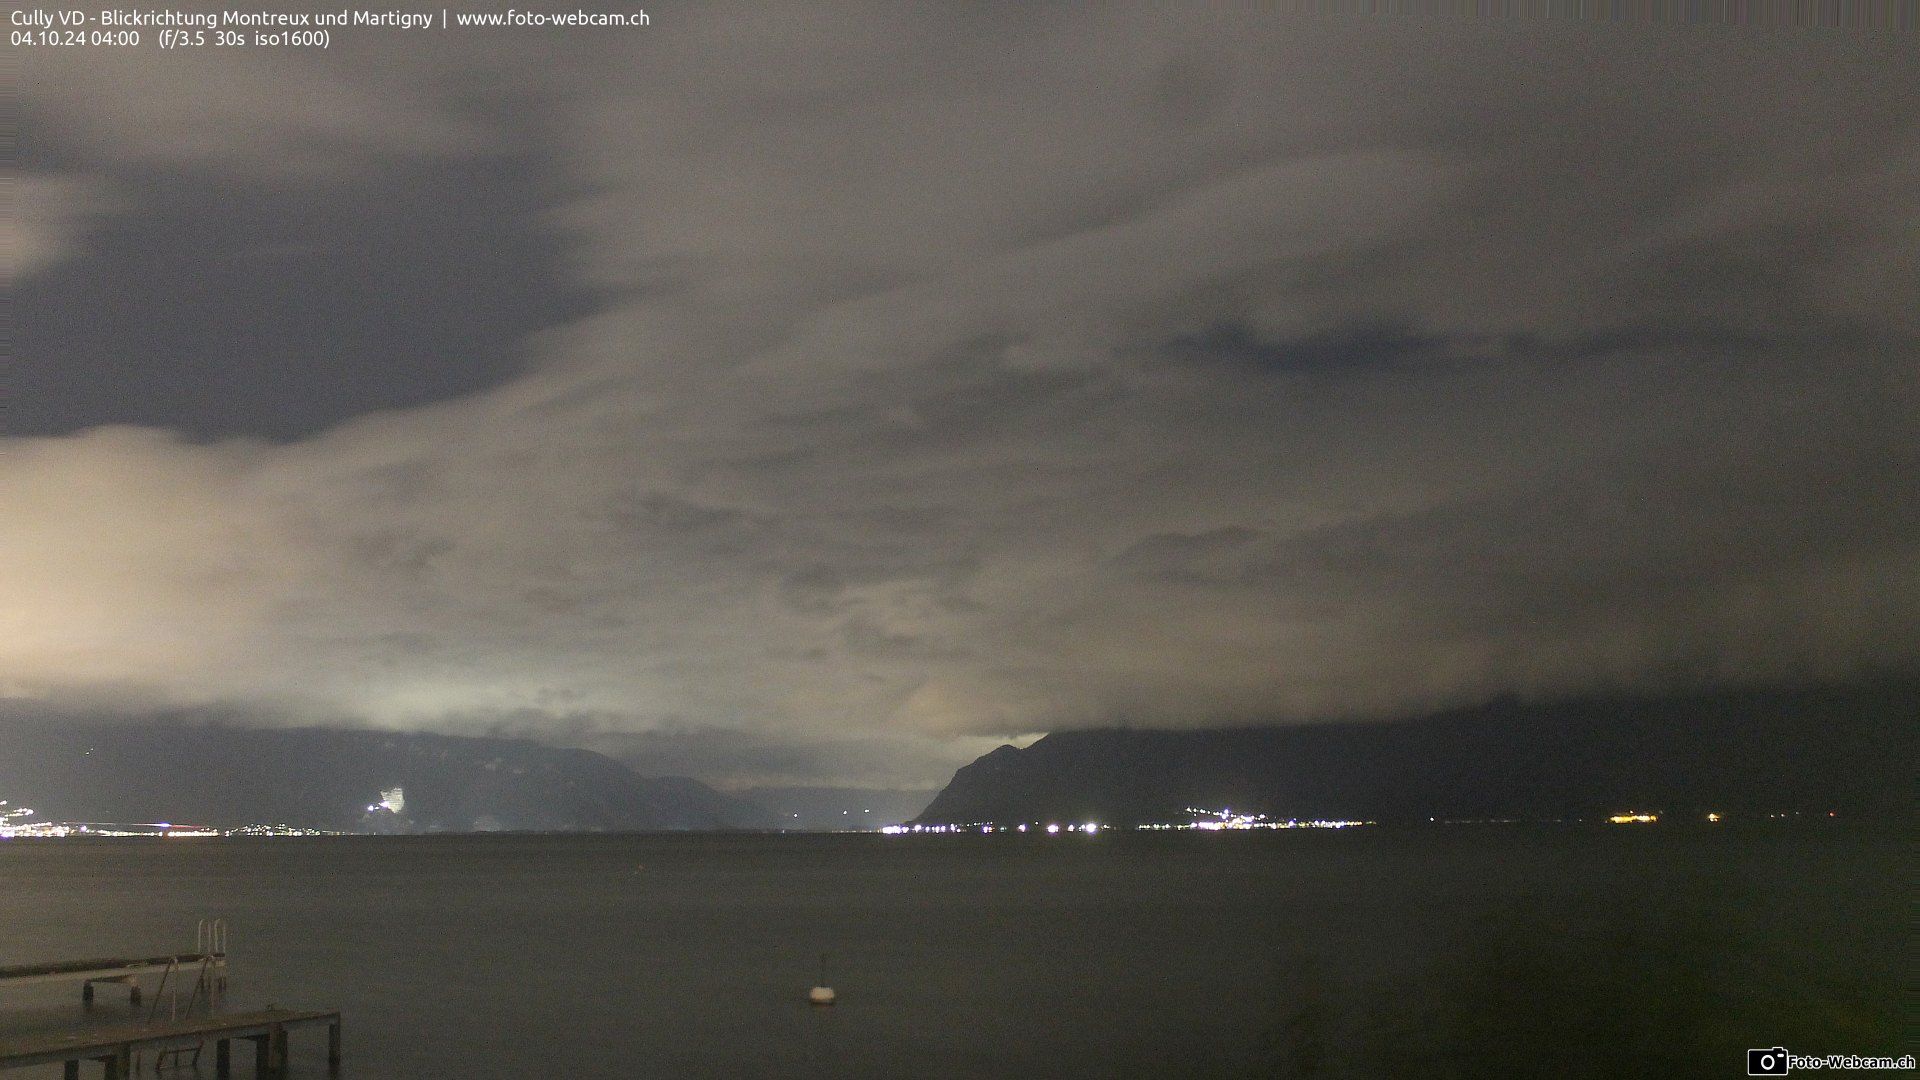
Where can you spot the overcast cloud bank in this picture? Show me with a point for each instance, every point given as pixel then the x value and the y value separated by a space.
pixel 914 379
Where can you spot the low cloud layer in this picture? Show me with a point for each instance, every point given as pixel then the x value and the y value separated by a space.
pixel 46 216
pixel 883 383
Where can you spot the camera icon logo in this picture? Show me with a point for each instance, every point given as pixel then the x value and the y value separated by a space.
pixel 1771 1062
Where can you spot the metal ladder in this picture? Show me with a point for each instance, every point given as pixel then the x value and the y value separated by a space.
pixel 210 941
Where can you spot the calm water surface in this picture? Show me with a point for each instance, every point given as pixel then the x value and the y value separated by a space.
pixel 1469 951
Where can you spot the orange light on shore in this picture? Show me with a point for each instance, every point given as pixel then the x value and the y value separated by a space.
pixel 1634 819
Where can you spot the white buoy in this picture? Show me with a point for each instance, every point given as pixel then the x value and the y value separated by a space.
pixel 821 994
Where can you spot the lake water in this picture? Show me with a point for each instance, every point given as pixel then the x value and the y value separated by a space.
pixel 1444 951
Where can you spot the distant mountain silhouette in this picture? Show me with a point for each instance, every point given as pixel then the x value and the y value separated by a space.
pixel 1850 749
pixel 327 778
pixel 834 808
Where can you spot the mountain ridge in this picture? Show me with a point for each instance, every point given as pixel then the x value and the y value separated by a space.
pixel 1845 748
pixel 327 778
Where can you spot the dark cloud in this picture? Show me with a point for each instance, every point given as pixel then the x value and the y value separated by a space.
pixel 230 307
pixel 1354 347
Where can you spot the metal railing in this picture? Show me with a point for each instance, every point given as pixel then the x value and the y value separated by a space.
pixel 210 937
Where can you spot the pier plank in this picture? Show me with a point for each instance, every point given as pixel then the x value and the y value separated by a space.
pixel 104 965
pixel 113 1042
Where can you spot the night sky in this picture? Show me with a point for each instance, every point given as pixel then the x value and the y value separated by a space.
pixel 826 394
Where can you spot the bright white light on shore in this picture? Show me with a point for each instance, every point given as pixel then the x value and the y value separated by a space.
pixel 1053 828
pixel 1092 828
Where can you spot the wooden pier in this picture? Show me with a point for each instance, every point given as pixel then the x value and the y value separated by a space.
pixel 207 963
pixel 126 971
pixel 114 1046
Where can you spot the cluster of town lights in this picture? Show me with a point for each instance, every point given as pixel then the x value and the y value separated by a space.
pixel 1224 820
pixel 1089 828
pixel 1204 821
pixel 15 824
